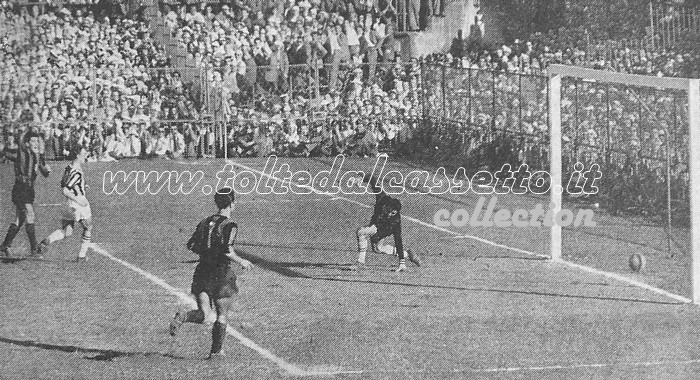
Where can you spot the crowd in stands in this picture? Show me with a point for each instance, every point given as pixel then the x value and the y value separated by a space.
pixel 271 74
pixel 298 59
pixel 74 73
pixel 319 78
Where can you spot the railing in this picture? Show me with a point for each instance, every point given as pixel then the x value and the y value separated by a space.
pixel 670 21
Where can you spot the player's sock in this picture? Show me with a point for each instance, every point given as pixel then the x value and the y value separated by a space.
pixel 54 236
pixel 361 246
pixel 31 234
pixel 83 248
pixel 361 256
pixel 11 233
pixel 402 265
pixel 218 334
pixel 84 245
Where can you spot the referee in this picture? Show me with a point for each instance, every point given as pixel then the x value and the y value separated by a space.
pixel 27 158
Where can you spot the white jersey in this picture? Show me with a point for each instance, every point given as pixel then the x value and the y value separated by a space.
pixel 74 180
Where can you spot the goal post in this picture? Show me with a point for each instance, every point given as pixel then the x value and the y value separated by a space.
pixel 691 87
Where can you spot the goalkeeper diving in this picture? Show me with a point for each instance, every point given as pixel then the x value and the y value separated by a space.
pixel 385 222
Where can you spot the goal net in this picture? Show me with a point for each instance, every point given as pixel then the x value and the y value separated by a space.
pixel 638 132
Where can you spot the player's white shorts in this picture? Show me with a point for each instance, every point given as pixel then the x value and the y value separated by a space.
pixel 75 212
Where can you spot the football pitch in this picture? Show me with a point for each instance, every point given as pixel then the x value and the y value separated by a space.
pixel 486 304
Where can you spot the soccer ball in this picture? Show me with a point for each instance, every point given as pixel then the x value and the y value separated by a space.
pixel 637 262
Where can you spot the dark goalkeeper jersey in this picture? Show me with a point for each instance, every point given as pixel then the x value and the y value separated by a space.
pixel 386 225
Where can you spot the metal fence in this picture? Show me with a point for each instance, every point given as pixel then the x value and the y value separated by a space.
pixel 669 21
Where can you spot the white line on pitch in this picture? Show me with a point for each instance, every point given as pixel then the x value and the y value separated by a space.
pixel 287 367
pixel 584 268
pixel 284 200
pixel 538 368
pixel 593 365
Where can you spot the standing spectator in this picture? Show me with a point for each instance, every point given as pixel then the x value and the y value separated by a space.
pixel 413 15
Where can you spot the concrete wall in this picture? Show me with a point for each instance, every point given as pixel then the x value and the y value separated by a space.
pixel 441 31
pixel 438 36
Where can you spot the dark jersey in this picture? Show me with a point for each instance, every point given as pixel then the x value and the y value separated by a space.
pixel 213 239
pixel 26 164
pixel 387 224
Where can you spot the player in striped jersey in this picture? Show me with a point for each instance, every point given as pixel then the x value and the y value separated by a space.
pixel 27 158
pixel 214 280
pixel 77 208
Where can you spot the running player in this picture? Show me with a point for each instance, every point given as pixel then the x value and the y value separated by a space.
pixel 385 222
pixel 214 279
pixel 77 208
pixel 27 158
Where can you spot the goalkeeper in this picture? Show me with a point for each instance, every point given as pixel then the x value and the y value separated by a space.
pixel 385 222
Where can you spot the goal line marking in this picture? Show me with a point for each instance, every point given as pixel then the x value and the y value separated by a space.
pixel 569 264
pixel 289 368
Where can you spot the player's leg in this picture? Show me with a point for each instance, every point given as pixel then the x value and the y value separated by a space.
pixel 29 227
pixel 85 239
pixel 387 249
pixel 363 238
pixel 192 316
pixel 65 231
pixel 14 228
pixel 218 332
pixel 222 294
pixel 391 250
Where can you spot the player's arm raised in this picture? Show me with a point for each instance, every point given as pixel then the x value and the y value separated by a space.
pixel 9 153
pixel 44 167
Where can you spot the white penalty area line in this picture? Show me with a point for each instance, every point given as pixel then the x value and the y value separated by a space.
pixel 256 201
pixel 289 368
pixel 569 264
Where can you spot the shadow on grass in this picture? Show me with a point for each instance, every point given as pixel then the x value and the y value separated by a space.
pixel 283 269
pixel 308 247
pixel 92 353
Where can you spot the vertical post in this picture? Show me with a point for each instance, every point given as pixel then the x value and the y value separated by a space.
pixel 694 128
pixel 555 161
pixel 520 107
pixel 607 148
pixel 493 105
pixel 469 96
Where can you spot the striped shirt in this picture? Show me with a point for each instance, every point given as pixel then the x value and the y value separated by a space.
pixel 26 164
pixel 74 180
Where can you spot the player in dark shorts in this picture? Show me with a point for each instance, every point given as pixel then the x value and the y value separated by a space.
pixel 214 281
pixel 27 159
pixel 385 222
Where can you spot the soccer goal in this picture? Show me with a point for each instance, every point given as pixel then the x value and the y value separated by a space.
pixel 643 132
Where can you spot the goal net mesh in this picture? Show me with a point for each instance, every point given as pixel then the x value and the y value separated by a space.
pixel 639 137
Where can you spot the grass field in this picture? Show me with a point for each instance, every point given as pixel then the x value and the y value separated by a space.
pixel 485 305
